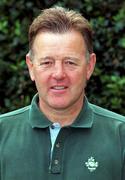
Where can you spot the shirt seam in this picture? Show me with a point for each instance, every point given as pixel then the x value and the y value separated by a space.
pixel 2 116
pixel 108 116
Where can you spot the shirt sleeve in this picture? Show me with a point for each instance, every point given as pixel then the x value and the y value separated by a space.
pixel 122 136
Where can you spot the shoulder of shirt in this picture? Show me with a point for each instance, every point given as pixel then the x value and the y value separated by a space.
pixel 106 114
pixel 15 113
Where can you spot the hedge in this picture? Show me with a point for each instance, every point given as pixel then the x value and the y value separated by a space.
pixel 106 87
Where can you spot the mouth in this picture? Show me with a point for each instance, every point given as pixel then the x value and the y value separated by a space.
pixel 59 87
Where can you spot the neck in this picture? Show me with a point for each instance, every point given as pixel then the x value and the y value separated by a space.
pixel 63 116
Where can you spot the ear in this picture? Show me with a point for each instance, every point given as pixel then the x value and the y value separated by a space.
pixel 30 66
pixel 91 65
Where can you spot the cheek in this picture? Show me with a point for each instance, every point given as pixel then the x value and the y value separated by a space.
pixel 41 80
pixel 81 75
pixel 78 78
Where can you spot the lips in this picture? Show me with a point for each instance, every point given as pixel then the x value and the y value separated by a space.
pixel 59 87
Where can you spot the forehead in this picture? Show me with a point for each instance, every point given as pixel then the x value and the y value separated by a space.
pixel 68 41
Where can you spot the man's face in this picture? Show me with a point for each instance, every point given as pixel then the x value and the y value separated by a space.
pixel 60 68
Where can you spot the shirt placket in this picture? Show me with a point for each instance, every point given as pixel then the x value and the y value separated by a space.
pixel 57 155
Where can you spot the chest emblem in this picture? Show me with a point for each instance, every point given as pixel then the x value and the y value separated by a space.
pixel 91 164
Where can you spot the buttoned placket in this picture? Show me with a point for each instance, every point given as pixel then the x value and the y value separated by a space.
pixel 57 155
pixel 54 131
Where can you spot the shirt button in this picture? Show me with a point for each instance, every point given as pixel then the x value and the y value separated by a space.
pixel 52 126
pixel 58 145
pixel 56 161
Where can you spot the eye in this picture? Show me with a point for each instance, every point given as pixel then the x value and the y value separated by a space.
pixel 70 62
pixel 46 63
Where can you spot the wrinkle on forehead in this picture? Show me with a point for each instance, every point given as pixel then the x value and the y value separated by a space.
pixel 59 45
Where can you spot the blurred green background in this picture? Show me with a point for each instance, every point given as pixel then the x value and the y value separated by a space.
pixel 106 87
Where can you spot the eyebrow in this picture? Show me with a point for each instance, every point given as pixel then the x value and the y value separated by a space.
pixel 52 58
pixel 72 58
pixel 45 58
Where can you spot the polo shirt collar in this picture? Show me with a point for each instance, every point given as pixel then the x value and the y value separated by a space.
pixel 39 120
pixel 85 117
pixel 36 117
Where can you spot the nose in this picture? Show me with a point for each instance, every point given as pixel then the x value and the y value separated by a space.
pixel 59 71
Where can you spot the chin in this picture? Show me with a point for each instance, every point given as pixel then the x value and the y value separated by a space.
pixel 59 106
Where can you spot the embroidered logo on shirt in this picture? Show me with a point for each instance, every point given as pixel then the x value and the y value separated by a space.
pixel 91 164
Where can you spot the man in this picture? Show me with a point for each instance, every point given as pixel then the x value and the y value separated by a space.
pixel 61 135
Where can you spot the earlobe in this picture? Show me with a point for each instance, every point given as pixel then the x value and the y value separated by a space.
pixel 91 65
pixel 30 66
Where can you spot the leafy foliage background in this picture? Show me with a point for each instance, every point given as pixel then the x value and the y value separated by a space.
pixel 106 87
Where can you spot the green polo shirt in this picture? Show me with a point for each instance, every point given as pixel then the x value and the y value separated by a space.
pixel 92 148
